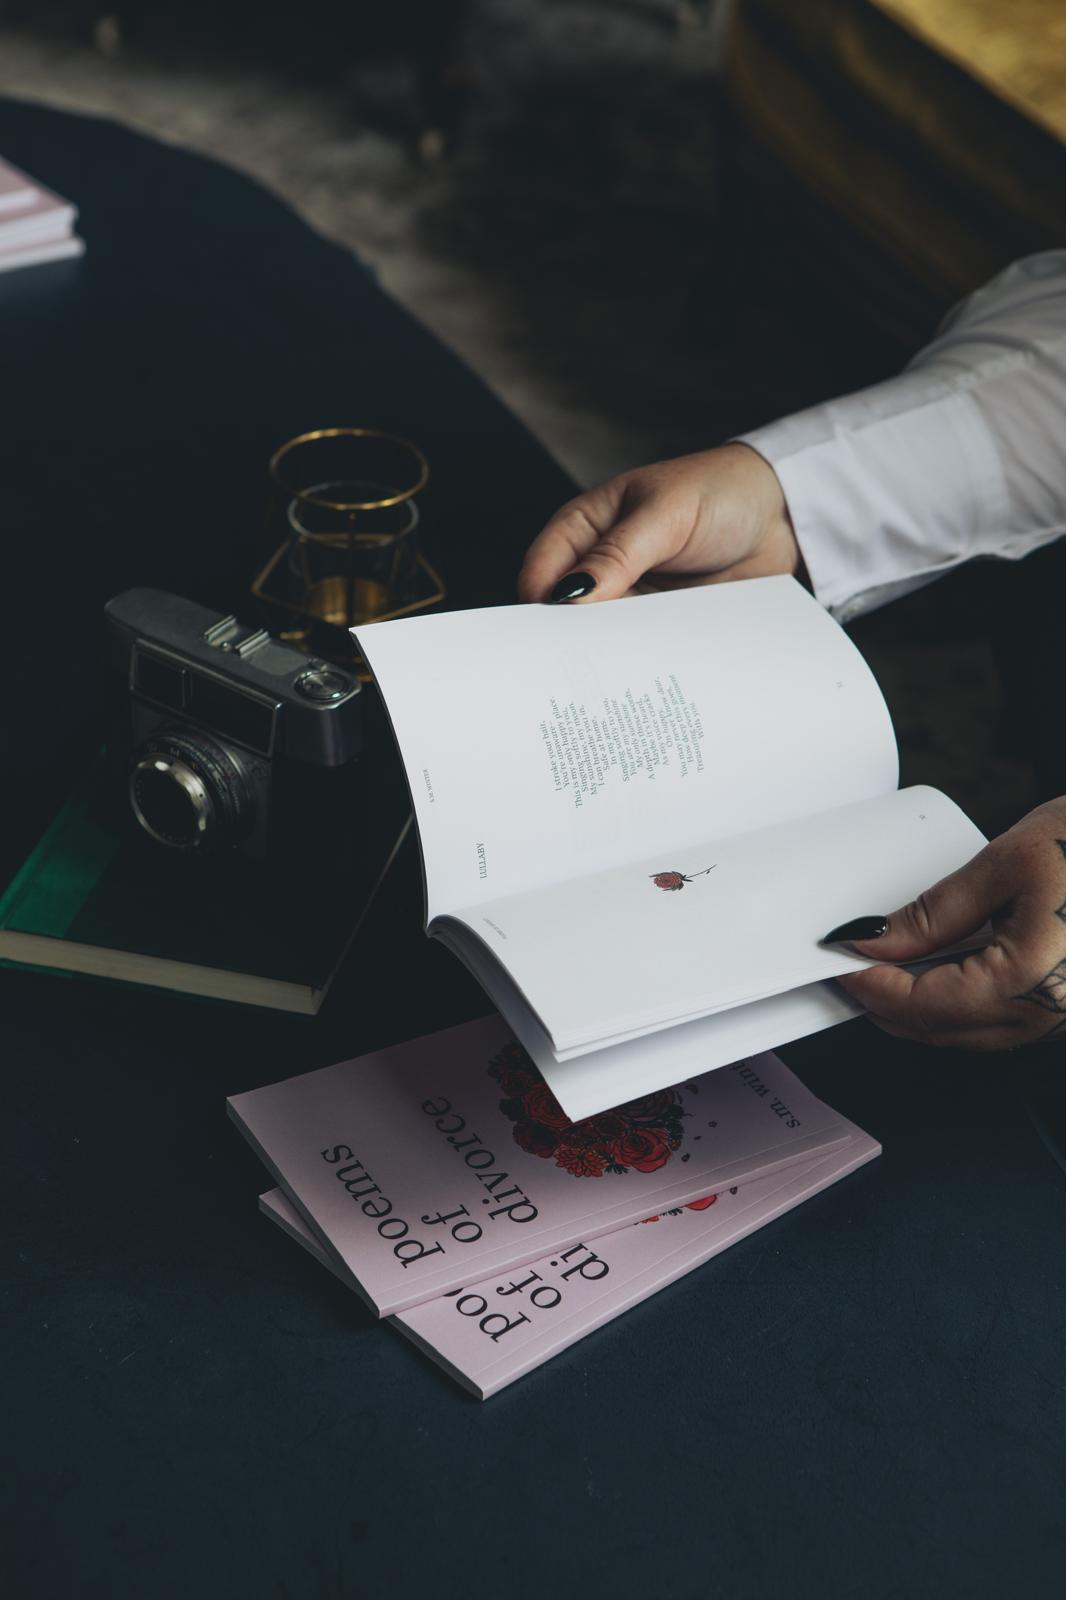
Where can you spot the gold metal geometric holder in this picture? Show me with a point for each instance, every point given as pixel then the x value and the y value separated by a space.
pixel 312 629
pixel 328 572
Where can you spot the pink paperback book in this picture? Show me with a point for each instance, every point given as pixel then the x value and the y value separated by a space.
pixel 17 191
pixel 488 1335
pixel 435 1164
pixel 35 255
pixel 43 217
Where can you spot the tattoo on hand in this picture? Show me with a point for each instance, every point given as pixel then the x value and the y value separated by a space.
pixel 1060 911
pixel 1050 993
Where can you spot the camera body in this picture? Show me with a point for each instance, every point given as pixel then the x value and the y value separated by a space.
pixel 236 741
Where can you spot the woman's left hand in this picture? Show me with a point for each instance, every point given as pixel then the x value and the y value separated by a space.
pixel 1011 993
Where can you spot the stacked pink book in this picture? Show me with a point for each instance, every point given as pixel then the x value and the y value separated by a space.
pixel 35 224
pixel 441 1181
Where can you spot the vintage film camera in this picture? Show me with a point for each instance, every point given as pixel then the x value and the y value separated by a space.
pixel 237 742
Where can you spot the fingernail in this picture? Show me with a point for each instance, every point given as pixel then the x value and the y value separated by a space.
pixel 858 928
pixel 572 587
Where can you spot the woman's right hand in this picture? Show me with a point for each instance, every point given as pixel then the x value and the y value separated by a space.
pixel 704 518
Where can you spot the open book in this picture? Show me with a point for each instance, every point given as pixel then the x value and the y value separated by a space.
pixel 638 819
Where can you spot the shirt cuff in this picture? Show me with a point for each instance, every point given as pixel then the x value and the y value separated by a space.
pixel 883 503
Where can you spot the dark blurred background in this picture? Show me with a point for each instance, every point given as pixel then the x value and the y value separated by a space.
pixel 649 224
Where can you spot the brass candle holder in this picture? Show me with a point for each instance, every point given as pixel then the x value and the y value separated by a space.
pixel 350 554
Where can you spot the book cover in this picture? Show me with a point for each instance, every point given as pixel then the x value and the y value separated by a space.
pixel 437 1163
pixel 17 191
pixel 488 1335
pixel 43 217
pixel 96 898
pixel 35 255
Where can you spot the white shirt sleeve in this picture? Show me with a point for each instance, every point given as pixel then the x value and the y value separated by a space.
pixel 962 455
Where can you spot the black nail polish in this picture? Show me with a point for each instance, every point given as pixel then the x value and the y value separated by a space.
pixel 572 587
pixel 857 928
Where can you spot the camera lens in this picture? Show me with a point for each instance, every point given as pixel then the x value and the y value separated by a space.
pixel 190 791
pixel 165 806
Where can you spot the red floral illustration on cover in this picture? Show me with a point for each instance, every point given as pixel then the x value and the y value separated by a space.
pixel 677 880
pixel 638 1137
pixel 692 1205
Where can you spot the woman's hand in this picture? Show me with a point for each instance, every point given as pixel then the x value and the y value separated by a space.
pixel 698 519
pixel 1011 993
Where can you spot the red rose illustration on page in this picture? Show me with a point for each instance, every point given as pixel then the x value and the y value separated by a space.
pixel 677 880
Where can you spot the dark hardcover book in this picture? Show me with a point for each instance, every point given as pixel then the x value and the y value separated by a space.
pixel 96 897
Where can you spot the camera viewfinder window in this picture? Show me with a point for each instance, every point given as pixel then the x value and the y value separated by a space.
pixel 159 681
pixel 233 715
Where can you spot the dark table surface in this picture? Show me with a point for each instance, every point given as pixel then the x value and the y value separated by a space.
pixel 866 1398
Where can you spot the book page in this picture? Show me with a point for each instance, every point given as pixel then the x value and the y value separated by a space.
pixel 595 1080
pixel 546 742
pixel 619 953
